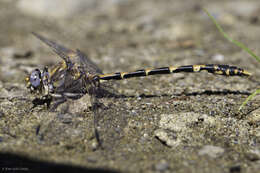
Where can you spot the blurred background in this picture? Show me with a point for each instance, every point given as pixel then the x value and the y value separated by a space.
pixel 119 34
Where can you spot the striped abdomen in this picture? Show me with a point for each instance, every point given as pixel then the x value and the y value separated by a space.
pixel 211 68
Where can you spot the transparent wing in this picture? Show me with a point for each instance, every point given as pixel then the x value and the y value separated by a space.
pixel 69 55
pixel 91 67
pixel 58 49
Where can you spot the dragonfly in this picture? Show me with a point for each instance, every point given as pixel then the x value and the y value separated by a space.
pixel 77 75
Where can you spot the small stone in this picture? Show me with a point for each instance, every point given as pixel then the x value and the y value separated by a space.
pixel 80 105
pixel 174 128
pixel 23 54
pixel 211 151
pixel 199 52
pixel 178 122
pixel 92 159
pixel 146 135
pixel 65 118
pixel 167 138
pixel 94 145
pixel 162 166
pixel 257 132
pixel 133 112
pixel 254 117
pixel 218 57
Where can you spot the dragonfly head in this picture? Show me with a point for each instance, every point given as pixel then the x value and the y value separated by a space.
pixel 38 81
pixel 34 80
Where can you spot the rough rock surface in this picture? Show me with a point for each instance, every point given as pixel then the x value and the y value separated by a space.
pixel 161 123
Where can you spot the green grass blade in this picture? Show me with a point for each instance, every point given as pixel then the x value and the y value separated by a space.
pixel 249 98
pixel 239 44
pixel 242 46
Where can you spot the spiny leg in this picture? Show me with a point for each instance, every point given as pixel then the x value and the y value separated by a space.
pixel 93 91
pixel 61 98
pixel 96 106
pixel 211 68
pixel 56 103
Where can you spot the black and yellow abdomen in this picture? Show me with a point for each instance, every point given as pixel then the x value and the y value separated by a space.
pixel 211 68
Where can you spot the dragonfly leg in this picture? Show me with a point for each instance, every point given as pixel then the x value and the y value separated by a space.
pixel 61 98
pixel 56 103
pixel 96 112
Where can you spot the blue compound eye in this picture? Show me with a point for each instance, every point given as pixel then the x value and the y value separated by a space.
pixel 35 78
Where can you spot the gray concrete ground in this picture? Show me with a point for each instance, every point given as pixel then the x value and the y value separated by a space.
pixel 170 123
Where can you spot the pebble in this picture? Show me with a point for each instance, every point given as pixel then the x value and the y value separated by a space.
pixel 199 52
pixel 65 118
pixel 165 137
pixel 211 151
pixel 162 166
pixel 94 145
pixel 254 117
pixel 218 57
pixel 92 159
pixel 257 132
pixel 178 122
pixel 80 105
pixel 174 127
